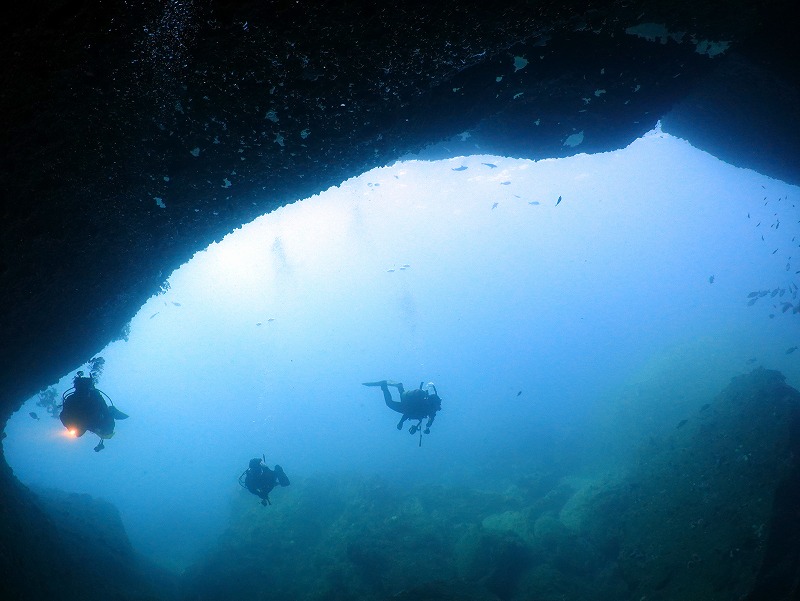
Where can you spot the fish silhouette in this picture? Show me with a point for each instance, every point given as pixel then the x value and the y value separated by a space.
pixel 33 415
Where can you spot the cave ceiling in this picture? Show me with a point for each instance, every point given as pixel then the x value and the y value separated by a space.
pixel 135 134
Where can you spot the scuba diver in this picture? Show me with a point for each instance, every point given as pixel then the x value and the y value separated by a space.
pixel 414 404
pixel 84 408
pixel 260 480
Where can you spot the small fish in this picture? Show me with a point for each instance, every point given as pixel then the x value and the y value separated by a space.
pixel 534 202
pixel 490 165
pixel 258 323
pixel 519 393
pixel 748 215
pixel 462 168
pixel 33 415
pixel 390 271
pixel 753 294
pixel 790 350
pixel 406 265
pixel 751 360
pixel 504 183
pixel 774 293
pixel 494 206
pixel 785 307
pixel 774 251
pixel 176 304
pixel 271 319
pixel 681 423
pixel 706 406
pixel 558 201
pixel 154 314
pixel 711 279
pixel 752 302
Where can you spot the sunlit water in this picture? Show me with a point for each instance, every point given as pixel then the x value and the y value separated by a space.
pixel 554 331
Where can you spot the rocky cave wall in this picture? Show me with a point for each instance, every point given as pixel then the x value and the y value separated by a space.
pixel 134 135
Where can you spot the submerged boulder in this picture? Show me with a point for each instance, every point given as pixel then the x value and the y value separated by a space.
pixel 705 513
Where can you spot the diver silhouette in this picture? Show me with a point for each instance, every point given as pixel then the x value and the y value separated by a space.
pixel 413 404
pixel 260 480
pixel 84 408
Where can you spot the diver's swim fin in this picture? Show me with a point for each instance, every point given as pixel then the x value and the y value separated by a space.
pixel 281 475
pixel 381 383
pixel 116 413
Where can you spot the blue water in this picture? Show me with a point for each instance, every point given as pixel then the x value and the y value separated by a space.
pixel 554 332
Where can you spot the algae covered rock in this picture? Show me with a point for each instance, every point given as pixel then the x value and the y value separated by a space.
pixel 708 512
pixel 695 519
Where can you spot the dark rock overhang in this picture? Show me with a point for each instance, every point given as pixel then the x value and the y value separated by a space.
pixel 133 136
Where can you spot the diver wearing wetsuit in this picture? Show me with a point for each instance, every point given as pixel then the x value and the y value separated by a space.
pixel 413 404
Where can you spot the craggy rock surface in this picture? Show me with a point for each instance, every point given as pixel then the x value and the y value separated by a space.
pixel 55 545
pixel 709 512
pixel 134 134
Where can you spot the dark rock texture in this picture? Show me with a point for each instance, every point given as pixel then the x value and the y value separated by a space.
pixel 55 545
pixel 710 512
pixel 134 134
pixel 706 512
